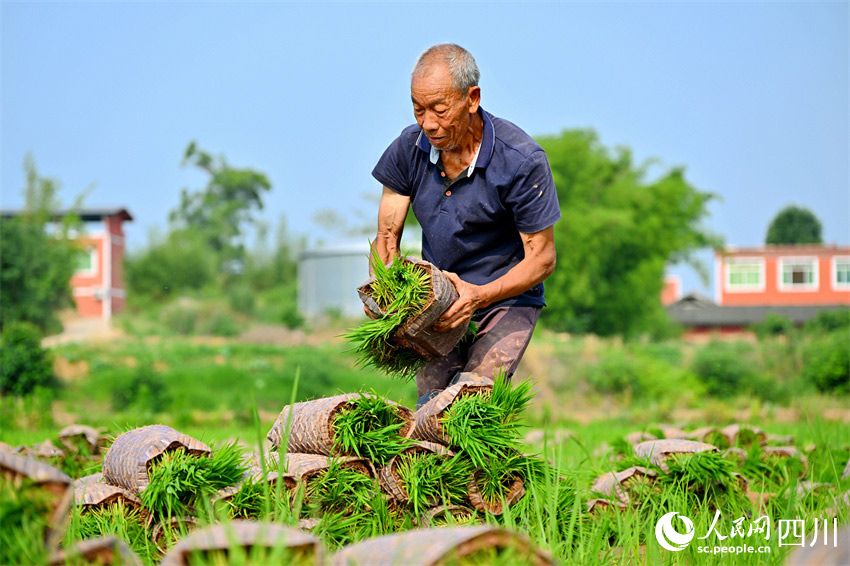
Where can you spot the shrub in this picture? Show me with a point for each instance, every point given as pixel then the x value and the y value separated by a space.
pixel 829 320
pixel 773 325
pixel 182 317
pixel 826 361
pixel 728 369
pixel 141 388
pixel 644 375
pixel 219 323
pixel 180 263
pixel 24 364
pixel 242 298
pixel 280 306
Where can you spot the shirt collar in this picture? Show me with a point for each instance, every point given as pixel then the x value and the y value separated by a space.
pixel 485 148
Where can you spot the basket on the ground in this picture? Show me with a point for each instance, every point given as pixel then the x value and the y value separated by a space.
pixel 613 484
pixel 511 495
pixel 246 535
pixel 105 551
pixel 18 469
pixel 388 474
pixel 311 428
pixel 127 461
pixel 93 491
pixel 434 546
pixel 657 451
pixel 428 425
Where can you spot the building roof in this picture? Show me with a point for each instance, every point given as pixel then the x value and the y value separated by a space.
pixel 695 309
pixel 795 249
pixel 85 214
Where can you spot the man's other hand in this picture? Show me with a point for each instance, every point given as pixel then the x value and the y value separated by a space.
pixel 470 298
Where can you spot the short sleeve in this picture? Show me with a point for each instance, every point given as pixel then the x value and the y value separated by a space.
pixel 532 196
pixel 393 168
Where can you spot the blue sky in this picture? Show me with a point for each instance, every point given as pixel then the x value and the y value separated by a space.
pixel 752 98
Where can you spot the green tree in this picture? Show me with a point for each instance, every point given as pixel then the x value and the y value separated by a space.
pixel 794 225
pixel 36 267
pixel 618 232
pixel 224 208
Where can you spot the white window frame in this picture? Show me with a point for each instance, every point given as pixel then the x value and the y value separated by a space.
pixel 791 288
pixel 729 287
pixel 836 286
pixel 93 257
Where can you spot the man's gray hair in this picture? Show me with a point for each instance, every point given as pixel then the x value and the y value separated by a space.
pixel 461 64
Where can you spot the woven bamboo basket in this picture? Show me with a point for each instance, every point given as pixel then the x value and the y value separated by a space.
pixel 303 467
pixel 428 425
pixel 458 513
pixel 245 534
pixel 127 461
pixel 615 483
pixel 788 452
pixel 71 437
pixel 416 333
pixel 824 554
pixel 388 475
pixel 513 494
pixel 18 469
pixel 311 430
pixel 595 506
pixel 657 451
pixel 673 432
pixel 733 431
pixel 434 547
pixel 93 491
pixel 105 551
pixel 45 451
pixel 167 531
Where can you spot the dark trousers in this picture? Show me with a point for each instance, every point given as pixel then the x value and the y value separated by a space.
pixel 503 335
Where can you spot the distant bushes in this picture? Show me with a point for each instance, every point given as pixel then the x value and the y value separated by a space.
pixel 727 369
pixel 188 316
pixel 24 364
pixel 826 361
pixel 642 373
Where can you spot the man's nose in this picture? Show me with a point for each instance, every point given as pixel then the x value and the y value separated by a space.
pixel 429 121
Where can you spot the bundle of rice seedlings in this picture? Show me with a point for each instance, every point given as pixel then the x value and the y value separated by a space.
pixel 340 488
pixel 123 521
pixel 707 476
pixel 180 480
pixel 24 512
pixel 369 427
pixel 429 479
pixel 401 291
pixel 486 426
pixel 450 516
pixel 245 542
pixel 501 481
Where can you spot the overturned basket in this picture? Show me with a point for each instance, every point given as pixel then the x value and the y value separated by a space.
pixel 416 333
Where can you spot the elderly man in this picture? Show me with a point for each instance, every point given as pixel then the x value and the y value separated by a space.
pixel 483 193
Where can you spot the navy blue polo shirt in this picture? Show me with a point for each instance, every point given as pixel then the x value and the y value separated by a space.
pixel 471 226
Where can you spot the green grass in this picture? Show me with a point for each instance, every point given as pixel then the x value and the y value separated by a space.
pixel 431 479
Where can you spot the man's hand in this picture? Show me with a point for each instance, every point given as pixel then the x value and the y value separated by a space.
pixel 470 298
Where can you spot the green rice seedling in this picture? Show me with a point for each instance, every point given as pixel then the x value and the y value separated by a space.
pixel 237 555
pixel 117 519
pixel 486 426
pixel 180 481
pixel 401 291
pixel 717 438
pixel 250 501
pixel 24 512
pixel 496 477
pixel 339 488
pixel 706 476
pixel 430 479
pixel 368 427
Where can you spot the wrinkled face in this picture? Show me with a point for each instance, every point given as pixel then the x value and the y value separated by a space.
pixel 444 114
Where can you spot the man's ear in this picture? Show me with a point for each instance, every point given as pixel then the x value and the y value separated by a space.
pixel 473 99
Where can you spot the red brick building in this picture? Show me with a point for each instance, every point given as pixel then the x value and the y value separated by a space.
pixel 98 284
pixel 795 282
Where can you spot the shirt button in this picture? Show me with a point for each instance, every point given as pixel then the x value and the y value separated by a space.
pixel 448 193
pixel 442 173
